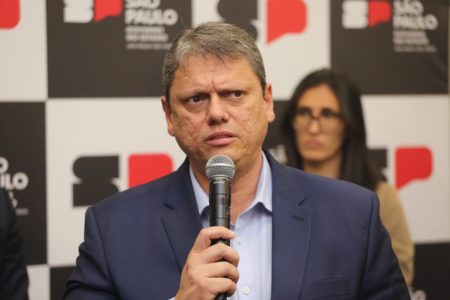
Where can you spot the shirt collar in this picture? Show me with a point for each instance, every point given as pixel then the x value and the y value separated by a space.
pixel 263 190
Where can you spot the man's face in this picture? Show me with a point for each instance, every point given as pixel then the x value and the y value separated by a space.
pixel 218 107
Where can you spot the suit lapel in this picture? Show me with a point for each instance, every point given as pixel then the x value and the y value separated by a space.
pixel 181 220
pixel 291 226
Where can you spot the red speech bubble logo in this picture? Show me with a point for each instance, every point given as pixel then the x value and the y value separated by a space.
pixel 107 8
pixel 285 16
pixel 143 168
pixel 379 12
pixel 411 164
pixel 9 13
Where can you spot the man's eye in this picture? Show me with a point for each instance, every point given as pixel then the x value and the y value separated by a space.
pixel 237 93
pixel 234 94
pixel 195 99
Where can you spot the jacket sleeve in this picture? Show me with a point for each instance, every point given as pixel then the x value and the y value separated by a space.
pixel 394 220
pixel 91 279
pixel 13 272
pixel 382 276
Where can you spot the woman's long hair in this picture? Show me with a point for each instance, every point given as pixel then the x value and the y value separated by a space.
pixel 357 166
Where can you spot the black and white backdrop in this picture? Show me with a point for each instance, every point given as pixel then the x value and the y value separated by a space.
pixel 80 116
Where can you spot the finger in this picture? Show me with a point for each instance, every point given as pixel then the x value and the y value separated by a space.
pixel 222 269
pixel 219 252
pixel 221 285
pixel 207 234
pixel 211 279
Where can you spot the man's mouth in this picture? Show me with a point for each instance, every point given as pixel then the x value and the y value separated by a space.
pixel 220 138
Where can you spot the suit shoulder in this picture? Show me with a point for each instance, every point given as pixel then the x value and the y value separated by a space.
pixel 315 181
pixel 338 192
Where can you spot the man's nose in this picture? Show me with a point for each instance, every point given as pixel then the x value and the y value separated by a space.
pixel 217 112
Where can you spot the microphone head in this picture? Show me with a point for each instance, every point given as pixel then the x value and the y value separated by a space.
pixel 220 166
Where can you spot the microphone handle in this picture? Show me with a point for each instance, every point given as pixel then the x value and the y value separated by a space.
pixel 222 296
pixel 219 203
pixel 224 223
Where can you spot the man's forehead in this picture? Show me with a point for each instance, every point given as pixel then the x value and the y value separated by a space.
pixel 201 69
pixel 194 58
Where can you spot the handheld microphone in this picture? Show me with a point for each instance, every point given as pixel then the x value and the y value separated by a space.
pixel 220 170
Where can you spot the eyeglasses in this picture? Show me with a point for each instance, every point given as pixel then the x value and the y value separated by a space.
pixel 328 119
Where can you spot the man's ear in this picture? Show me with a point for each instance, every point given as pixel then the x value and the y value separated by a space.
pixel 168 115
pixel 268 100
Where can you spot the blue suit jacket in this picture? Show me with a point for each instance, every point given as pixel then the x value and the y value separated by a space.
pixel 328 241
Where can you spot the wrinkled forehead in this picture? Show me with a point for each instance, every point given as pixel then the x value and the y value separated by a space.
pixel 213 74
pixel 187 60
pixel 190 63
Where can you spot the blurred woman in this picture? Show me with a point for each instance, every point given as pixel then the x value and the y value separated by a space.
pixel 325 134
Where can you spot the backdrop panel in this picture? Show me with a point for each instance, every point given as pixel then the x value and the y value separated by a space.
pixel 414 130
pixel 386 45
pixel 23 46
pixel 80 115
pixel 112 49
pixel 23 172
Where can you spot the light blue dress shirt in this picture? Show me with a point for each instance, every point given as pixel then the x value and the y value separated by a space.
pixel 253 240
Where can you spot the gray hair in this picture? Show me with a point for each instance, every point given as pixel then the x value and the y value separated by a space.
pixel 220 39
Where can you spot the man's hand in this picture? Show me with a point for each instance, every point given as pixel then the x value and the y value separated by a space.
pixel 209 270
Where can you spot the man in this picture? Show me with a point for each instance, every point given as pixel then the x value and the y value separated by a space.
pixel 295 236
pixel 13 273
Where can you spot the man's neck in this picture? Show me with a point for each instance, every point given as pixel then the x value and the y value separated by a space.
pixel 244 185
